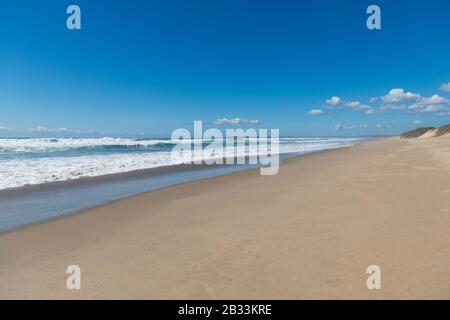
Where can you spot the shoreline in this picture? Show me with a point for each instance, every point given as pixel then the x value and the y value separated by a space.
pixel 217 170
pixel 171 168
pixel 107 177
pixel 102 165
pixel 93 180
pixel 308 232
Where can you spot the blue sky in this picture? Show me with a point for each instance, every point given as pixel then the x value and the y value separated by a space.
pixel 148 67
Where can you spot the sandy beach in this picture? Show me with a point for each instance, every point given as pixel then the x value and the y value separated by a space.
pixel 308 232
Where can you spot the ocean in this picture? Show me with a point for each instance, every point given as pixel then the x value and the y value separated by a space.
pixel 43 178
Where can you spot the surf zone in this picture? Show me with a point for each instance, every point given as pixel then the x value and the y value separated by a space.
pixel 237 146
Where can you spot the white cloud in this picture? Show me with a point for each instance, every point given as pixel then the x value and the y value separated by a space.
pixel 399 99
pixel 383 125
pixel 39 129
pixel 434 108
pixel 340 127
pixel 3 128
pixel 399 95
pixel 358 106
pixel 418 122
pixel 415 107
pixel 333 101
pixel 391 107
pixel 445 87
pixel 353 104
pixel 363 107
pixel 427 108
pixel 234 121
pixel 315 112
pixel 435 99
pixel 44 129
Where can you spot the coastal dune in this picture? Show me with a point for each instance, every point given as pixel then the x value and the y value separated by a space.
pixel 309 232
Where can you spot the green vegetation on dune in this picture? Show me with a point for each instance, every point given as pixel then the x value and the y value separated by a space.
pixel 421 131
pixel 416 132
pixel 443 130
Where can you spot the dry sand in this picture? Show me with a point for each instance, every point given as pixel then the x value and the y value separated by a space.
pixel 308 232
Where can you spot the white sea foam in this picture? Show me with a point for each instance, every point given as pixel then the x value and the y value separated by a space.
pixel 47 144
pixel 30 170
